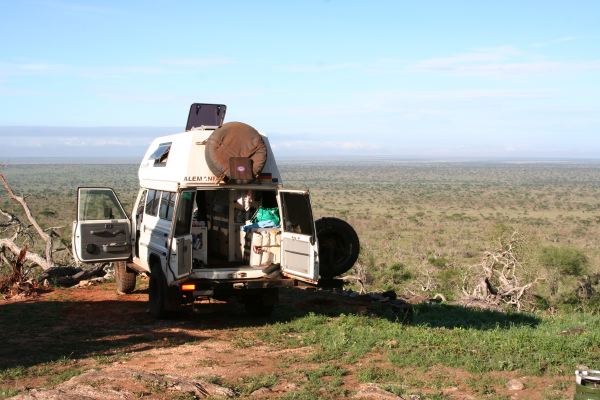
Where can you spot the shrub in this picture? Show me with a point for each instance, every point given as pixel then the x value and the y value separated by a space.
pixel 567 260
pixel 440 262
pixel 399 273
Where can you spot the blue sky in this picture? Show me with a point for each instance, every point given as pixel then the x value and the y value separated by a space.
pixel 435 79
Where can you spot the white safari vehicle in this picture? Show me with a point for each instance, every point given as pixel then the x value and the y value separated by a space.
pixel 212 219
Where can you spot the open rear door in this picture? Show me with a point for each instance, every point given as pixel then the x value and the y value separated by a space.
pixel 299 252
pixel 102 231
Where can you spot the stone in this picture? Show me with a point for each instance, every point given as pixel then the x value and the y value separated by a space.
pixel 261 393
pixel 374 392
pixel 515 384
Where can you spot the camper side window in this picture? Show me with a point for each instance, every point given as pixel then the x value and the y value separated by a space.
pixel 152 201
pixel 161 154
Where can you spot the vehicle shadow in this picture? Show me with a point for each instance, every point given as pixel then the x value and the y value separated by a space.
pixel 41 331
pixel 37 332
pixel 455 316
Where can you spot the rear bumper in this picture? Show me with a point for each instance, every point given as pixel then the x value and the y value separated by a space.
pixel 212 287
pixel 226 274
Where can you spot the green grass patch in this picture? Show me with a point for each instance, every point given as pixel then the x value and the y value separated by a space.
pixel 64 376
pixel 457 337
pixel 5 393
pixel 251 383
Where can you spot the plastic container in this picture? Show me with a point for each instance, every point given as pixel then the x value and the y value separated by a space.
pixel 588 385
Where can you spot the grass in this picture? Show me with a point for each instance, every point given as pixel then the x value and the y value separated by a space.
pixel 51 373
pixel 64 376
pixel 442 335
pixel 252 383
pixel 324 382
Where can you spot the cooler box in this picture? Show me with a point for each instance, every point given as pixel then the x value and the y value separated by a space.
pixel 261 246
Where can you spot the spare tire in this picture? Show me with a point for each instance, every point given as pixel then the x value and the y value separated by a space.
pixel 235 139
pixel 338 246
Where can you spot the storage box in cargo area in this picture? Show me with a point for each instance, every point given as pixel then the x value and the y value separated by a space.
pixel 261 247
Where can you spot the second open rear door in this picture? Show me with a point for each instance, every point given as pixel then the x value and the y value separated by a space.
pixel 299 252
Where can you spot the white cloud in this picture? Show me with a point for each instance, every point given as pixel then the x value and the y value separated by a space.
pixel 72 141
pixel 501 61
pixel 75 7
pixel 43 68
pixel 484 55
pixel 317 146
pixel 560 40
pixel 198 62
pixel 321 67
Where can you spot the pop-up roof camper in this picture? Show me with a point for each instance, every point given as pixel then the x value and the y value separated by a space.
pixel 212 219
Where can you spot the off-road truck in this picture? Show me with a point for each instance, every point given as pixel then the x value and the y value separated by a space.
pixel 212 220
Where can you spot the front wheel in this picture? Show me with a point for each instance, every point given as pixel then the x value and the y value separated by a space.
pixel 163 300
pixel 124 278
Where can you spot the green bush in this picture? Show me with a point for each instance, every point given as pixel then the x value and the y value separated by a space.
pixel 567 260
pixel 440 262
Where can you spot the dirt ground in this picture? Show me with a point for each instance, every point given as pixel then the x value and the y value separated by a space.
pixel 92 343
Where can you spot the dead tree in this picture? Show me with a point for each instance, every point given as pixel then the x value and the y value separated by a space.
pixel 496 280
pixel 17 255
pixel 9 244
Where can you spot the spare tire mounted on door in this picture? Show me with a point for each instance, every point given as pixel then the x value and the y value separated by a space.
pixel 235 139
pixel 338 246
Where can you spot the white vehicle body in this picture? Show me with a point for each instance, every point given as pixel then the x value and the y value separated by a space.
pixel 200 234
pixel 152 235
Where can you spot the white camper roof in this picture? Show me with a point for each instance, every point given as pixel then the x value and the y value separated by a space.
pixel 177 161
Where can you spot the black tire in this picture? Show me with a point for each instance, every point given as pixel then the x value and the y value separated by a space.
pixel 338 246
pixel 163 301
pixel 124 278
pixel 261 303
pixel 235 139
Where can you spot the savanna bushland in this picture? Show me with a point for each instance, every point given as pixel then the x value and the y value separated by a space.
pixel 425 229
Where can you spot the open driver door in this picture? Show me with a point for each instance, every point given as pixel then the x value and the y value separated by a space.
pixel 299 248
pixel 102 231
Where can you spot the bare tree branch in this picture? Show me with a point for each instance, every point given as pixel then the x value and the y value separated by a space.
pixel 495 280
pixel 7 244
pixel 47 238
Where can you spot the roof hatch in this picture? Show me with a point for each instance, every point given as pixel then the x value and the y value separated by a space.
pixel 205 115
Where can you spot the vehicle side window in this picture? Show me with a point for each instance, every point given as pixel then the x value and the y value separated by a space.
pixel 167 204
pixel 152 201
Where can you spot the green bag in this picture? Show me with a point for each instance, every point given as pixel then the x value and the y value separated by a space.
pixel 267 214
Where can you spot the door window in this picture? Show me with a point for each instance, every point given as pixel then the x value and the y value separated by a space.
pixel 297 213
pixel 99 204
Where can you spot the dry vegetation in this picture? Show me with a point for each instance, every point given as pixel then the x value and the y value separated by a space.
pixel 425 229
pixel 423 225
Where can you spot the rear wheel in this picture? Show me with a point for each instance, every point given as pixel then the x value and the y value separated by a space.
pixel 163 300
pixel 261 303
pixel 124 278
